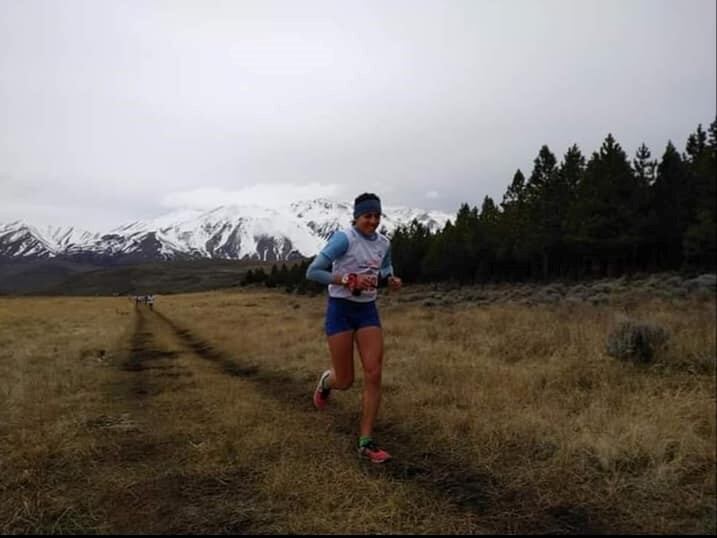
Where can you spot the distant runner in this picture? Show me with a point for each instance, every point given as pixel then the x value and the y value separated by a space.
pixel 352 264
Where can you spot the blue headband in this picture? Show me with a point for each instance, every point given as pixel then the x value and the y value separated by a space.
pixel 367 206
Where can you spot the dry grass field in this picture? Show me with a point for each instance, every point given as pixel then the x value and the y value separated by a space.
pixel 502 416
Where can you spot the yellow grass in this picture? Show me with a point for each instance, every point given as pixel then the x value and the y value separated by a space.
pixel 501 418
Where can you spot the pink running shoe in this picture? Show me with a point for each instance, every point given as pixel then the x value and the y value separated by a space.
pixel 374 454
pixel 321 395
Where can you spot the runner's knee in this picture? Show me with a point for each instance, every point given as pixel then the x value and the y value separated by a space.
pixel 372 374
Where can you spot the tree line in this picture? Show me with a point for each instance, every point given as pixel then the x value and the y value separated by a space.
pixel 602 216
pixel 291 279
pixel 605 215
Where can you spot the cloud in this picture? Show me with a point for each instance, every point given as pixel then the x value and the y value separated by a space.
pixel 117 111
pixel 265 195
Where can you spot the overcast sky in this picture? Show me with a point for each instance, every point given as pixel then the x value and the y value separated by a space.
pixel 112 111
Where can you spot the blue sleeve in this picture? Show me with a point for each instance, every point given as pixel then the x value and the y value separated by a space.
pixel 320 269
pixel 386 265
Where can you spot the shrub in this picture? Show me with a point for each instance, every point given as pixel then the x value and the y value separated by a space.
pixel 636 341
pixel 706 282
pixel 673 281
pixel 547 296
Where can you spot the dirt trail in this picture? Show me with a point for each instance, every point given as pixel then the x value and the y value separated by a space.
pixel 469 490
pixel 147 476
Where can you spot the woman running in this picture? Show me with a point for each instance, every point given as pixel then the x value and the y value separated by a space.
pixel 353 264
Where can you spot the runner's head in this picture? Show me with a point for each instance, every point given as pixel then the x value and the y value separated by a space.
pixel 367 213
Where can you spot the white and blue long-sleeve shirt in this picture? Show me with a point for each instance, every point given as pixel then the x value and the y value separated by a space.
pixel 349 251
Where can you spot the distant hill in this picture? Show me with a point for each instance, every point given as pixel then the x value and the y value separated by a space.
pixel 22 275
pixel 57 277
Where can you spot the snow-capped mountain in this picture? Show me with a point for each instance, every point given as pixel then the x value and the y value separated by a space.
pixel 226 232
pixel 24 240
pixel 323 216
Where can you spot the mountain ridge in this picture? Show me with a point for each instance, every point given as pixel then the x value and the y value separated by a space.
pixel 229 232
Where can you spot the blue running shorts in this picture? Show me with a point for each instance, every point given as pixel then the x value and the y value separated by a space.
pixel 344 315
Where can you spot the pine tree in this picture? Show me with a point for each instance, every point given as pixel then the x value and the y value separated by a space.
pixel 248 278
pixel 297 273
pixel 700 241
pixel 543 171
pixel 645 226
pixel 696 144
pixel 283 275
pixel 570 176
pixel 516 190
pixel 440 261
pixel 409 246
pixel 572 169
pixel 487 240
pixel 602 222
pixel 512 247
pixel 260 276
pixel 644 167
pixel 463 237
pixel 670 195
pixel 545 193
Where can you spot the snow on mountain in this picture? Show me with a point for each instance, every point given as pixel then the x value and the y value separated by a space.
pixel 322 216
pixel 227 232
pixel 21 239
pixel 398 215
pixel 63 237
pixel 244 232
pixel 149 238
pixel 325 216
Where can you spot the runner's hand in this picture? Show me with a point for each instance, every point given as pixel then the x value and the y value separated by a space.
pixel 394 283
pixel 366 282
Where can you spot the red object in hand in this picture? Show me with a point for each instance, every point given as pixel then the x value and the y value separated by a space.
pixel 352 284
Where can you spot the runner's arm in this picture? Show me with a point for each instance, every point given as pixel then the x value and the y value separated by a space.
pixel 320 269
pixel 386 270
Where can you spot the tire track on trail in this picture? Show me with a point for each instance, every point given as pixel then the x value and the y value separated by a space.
pixel 476 492
pixel 149 482
pixel 141 352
